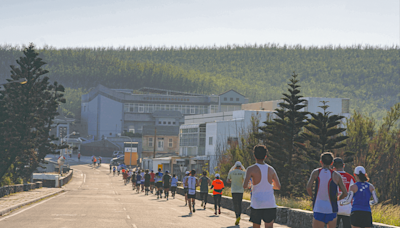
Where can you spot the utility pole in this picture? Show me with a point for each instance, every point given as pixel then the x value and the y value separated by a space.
pixel 155 141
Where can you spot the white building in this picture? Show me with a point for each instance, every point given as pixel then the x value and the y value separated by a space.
pixel 205 137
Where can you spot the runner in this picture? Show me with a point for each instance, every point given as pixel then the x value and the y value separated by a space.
pixel 191 183
pixel 123 171
pixel 158 180
pixel 125 177
pixel 142 180
pixel 79 157
pixel 114 171
pixel 348 180
pixel 119 169
pixel 174 185
pixel 99 161
pixel 218 186
pixel 138 181
pixel 204 183
pixel 147 181
pixel 236 177
pixel 133 179
pixel 185 188
pixel 110 167
pixel 361 191
pixel 264 181
pixel 152 181
pixel 325 204
pixel 94 161
pixel 166 183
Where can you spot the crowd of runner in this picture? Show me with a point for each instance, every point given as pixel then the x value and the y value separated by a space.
pixel 337 197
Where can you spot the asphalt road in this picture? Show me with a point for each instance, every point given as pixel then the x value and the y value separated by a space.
pixel 96 198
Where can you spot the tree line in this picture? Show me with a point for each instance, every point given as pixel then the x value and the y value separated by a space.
pixel 296 139
pixel 367 75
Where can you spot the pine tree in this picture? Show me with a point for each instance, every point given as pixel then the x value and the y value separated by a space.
pixel 284 142
pixel 324 134
pixel 26 116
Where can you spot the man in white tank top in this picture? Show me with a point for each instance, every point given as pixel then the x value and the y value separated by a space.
pixel 265 180
pixel 325 206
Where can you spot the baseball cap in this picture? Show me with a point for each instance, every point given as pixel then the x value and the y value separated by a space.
pixel 167 171
pixel 359 170
pixel 187 172
pixel 217 175
pixel 238 163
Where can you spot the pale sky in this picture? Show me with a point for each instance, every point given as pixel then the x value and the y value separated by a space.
pixel 89 23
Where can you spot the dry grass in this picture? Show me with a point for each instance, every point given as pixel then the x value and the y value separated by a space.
pixel 387 214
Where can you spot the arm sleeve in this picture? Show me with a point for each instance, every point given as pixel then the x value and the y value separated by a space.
pixel 348 198
pixel 375 198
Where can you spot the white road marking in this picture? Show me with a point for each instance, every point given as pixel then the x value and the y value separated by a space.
pixel 84 178
pixel 9 216
pixel 124 209
pixel 134 226
pixel 128 217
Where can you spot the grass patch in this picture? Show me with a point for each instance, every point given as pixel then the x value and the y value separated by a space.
pixel 386 214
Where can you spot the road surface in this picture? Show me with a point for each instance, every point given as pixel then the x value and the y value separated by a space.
pixel 96 198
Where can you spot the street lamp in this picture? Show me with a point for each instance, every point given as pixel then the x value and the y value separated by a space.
pixel 130 154
pixel 20 81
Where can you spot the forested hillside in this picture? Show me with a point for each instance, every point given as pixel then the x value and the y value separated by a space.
pixel 370 76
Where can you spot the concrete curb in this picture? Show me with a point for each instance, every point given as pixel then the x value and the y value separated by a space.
pixel 5 211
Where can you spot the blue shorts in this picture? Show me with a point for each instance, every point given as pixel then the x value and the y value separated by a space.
pixel 325 218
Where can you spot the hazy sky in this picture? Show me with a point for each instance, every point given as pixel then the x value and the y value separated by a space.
pixel 84 23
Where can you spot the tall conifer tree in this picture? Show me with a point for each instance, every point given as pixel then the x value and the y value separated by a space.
pixel 324 133
pixel 283 139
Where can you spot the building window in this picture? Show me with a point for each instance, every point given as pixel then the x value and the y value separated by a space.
pixel 150 142
pixel 231 99
pixel 345 105
pixel 169 123
pixel 164 122
pixel 160 144
pixel 84 108
pixel 233 141
pixel 173 123
pixel 141 108
pixel 225 99
pixel 210 141
pixel 192 109
pixel 62 132
pixel 159 122
pixel 170 143
pixel 132 129
pixel 237 99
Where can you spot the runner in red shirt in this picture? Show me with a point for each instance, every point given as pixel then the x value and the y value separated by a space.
pixel 152 175
pixel 345 210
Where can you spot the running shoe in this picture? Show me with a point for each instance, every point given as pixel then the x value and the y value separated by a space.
pixel 204 207
pixel 190 214
pixel 237 221
pixel 219 211
pixel 215 212
pixel 185 204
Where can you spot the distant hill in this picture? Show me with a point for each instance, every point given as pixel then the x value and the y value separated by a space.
pixel 370 76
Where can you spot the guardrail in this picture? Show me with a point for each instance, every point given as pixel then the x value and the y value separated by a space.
pixel 10 189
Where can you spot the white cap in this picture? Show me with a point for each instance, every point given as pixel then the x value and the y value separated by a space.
pixel 187 172
pixel 238 163
pixel 217 175
pixel 359 169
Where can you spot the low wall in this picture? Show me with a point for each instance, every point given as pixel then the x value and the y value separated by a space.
pixel 294 218
pixel 53 180
pixel 9 189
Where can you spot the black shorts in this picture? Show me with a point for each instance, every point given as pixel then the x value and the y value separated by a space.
pixel 137 184
pixel 166 185
pixel 146 184
pixel 159 184
pixel 190 196
pixel 173 189
pixel 361 218
pixel 152 183
pixel 267 215
pixel 186 190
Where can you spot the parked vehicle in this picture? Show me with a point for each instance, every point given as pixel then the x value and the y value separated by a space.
pixel 117 153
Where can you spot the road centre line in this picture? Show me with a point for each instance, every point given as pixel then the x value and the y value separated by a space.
pixel 134 226
pixel 128 217
pixel 19 212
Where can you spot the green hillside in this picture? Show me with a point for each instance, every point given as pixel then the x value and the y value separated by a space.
pixel 370 76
